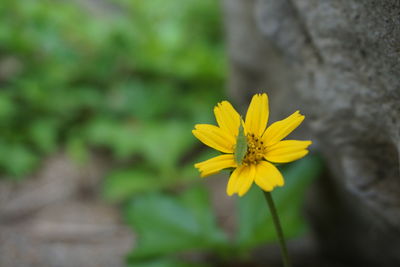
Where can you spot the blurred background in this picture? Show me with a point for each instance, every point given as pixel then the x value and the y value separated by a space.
pixel 97 102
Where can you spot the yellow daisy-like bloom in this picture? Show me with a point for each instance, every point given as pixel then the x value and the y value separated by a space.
pixel 264 146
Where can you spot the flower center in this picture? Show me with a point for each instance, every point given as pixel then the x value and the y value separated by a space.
pixel 255 150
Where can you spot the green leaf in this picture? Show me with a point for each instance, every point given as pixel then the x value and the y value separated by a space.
pixel 255 221
pixel 162 262
pixel 120 185
pixel 164 143
pixel 197 201
pixel 44 134
pixel 132 83
pixel 7 107
pixel 77 150
pixel 17 159
pixel 167 224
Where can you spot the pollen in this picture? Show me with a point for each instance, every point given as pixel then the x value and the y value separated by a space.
pixel 255 150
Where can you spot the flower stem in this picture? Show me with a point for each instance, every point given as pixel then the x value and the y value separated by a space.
pixel 278 228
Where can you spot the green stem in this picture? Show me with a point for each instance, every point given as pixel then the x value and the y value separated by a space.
pixel 278 228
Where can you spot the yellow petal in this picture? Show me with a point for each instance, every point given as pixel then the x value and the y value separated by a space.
pixel 227 117
pixel 233 180
pixel 287 151
pixel 216 164
pixel 214 137
pixel 280 129
pixel 257 114
pixel 241 180
pixel 268 176
pixel 246 180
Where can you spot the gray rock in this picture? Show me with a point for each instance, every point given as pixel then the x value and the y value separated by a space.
pixel 338 61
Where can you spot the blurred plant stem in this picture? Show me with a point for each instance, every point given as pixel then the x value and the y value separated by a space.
pixel 278 228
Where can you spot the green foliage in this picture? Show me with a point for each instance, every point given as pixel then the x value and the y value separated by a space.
pixel 164 262
pixel 288 200
pixel 185 222
pixel 131 78
pixel 120 75
pixel 170 225
pixel 120 185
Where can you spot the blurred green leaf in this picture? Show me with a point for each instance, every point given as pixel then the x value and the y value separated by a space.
pixel 77 150
pixel 167 224
pixel 6 106
pixel 164 143
pixel 120 185
pixel 131 80
pixel 126 140
pixel 16 159
pixel 123 138
pixel 255 221
pixel 44 134
pixel 162 262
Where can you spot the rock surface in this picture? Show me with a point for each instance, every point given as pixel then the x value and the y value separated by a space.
pixel 339 63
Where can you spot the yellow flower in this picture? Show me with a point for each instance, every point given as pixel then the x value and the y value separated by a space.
pixel 262 146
